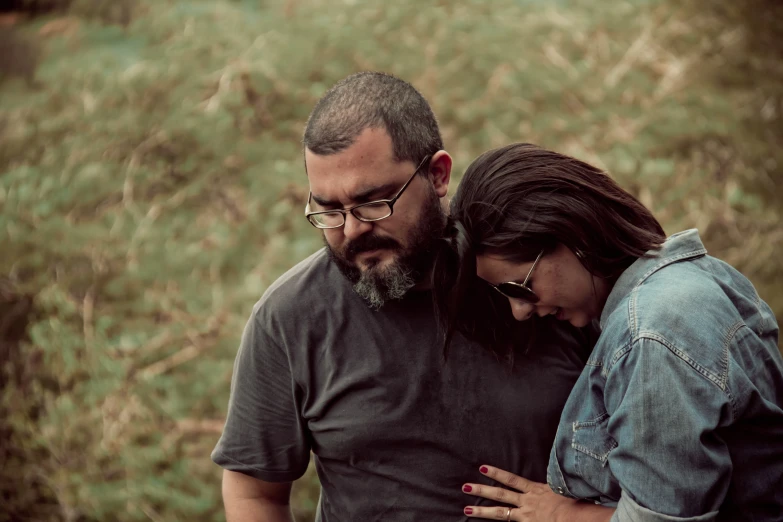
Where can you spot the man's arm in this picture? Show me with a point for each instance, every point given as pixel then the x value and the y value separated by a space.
pixel 264 446
pixel 247 499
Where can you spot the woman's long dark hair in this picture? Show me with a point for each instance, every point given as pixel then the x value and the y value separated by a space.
pixel 514 202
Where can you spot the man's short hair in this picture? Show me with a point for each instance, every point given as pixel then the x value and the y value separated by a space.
pixel 373 100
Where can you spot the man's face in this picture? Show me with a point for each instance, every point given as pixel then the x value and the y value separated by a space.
pixel 383 259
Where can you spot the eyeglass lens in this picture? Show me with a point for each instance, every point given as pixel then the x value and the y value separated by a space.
pixel 368 212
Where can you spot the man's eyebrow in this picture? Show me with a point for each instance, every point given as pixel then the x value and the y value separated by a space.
pixel 363 196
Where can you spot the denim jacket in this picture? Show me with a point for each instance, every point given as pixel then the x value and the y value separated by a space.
pixel 678 415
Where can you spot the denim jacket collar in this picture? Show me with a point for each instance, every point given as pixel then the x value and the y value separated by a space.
pixel 683 245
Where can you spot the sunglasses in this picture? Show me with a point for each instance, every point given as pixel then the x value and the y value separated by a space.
pixel 520 291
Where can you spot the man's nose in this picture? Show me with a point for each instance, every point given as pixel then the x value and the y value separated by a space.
pixel 354 228
pixel 520 309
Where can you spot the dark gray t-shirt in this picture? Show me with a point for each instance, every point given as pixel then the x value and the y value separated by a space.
pixel 394 428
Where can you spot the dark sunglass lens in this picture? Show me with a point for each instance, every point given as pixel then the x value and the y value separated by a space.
pixel 518 292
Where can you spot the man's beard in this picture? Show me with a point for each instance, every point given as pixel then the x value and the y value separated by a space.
pixel 377 285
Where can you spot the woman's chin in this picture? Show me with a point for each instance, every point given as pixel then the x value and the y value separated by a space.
pixel 578 320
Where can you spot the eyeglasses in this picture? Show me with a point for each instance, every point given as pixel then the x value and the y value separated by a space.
pixel 521 291
pixel 370 211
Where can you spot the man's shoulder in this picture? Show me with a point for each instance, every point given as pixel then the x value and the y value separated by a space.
pixel 302 289
pixel 315 266
pixel 303 281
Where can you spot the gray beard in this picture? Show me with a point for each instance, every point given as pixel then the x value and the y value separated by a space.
pixel 379 286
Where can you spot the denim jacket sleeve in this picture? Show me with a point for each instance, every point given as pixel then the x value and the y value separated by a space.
pixel 629 511
pixel 664 411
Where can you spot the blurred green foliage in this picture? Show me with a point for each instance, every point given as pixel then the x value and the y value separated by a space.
pixel 151 187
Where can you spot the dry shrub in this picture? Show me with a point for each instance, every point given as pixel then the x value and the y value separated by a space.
pixel 152 188
pixel 733 51
pixel 20 55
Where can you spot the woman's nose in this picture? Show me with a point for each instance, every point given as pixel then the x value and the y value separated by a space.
pixel 520 309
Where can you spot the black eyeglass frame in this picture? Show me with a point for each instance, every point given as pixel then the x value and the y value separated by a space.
pixel 344 211
pixel 520 291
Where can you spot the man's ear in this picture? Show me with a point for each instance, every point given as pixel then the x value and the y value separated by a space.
pixel 440 172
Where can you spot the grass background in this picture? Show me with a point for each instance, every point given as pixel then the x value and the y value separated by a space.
pixel 151 187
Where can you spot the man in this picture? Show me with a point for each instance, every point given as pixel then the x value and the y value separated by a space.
pixel 342 357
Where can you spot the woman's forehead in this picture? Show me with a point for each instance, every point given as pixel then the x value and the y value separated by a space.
pixel 496 269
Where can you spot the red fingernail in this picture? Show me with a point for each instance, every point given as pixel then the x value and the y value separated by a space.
pixel 484 469
pixel 468 511
pixel 467 489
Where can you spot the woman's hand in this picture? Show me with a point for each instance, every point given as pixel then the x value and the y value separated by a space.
pixel 534 501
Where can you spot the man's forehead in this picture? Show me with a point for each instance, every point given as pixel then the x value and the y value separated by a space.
pixel 331 170
pixel 371 146
pixel 352 189
pixel 344 180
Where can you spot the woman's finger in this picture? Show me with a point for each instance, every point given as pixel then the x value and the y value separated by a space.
pixel 509 479
pixel 492 493
pixel 492 513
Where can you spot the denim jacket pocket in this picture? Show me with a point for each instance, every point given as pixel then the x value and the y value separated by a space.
pixel 593 444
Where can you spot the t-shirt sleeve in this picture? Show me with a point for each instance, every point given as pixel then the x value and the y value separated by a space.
pixel 264 435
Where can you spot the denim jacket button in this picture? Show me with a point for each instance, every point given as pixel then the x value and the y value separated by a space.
pixel 560 490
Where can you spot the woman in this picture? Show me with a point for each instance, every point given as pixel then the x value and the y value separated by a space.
pixel 678 414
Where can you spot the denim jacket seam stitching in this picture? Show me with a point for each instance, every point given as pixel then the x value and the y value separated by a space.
pixel 632 295
pixel 596 421
pixel 726 349
pixel 601 458
pixel 632 311
pixel 757 303
pixel 669 260
pixel 727 340
pixel 619 354
pixel 589 423
pixel 717 380
pixel 559 471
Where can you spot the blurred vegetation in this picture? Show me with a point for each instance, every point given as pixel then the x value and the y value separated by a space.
pixel 151 187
